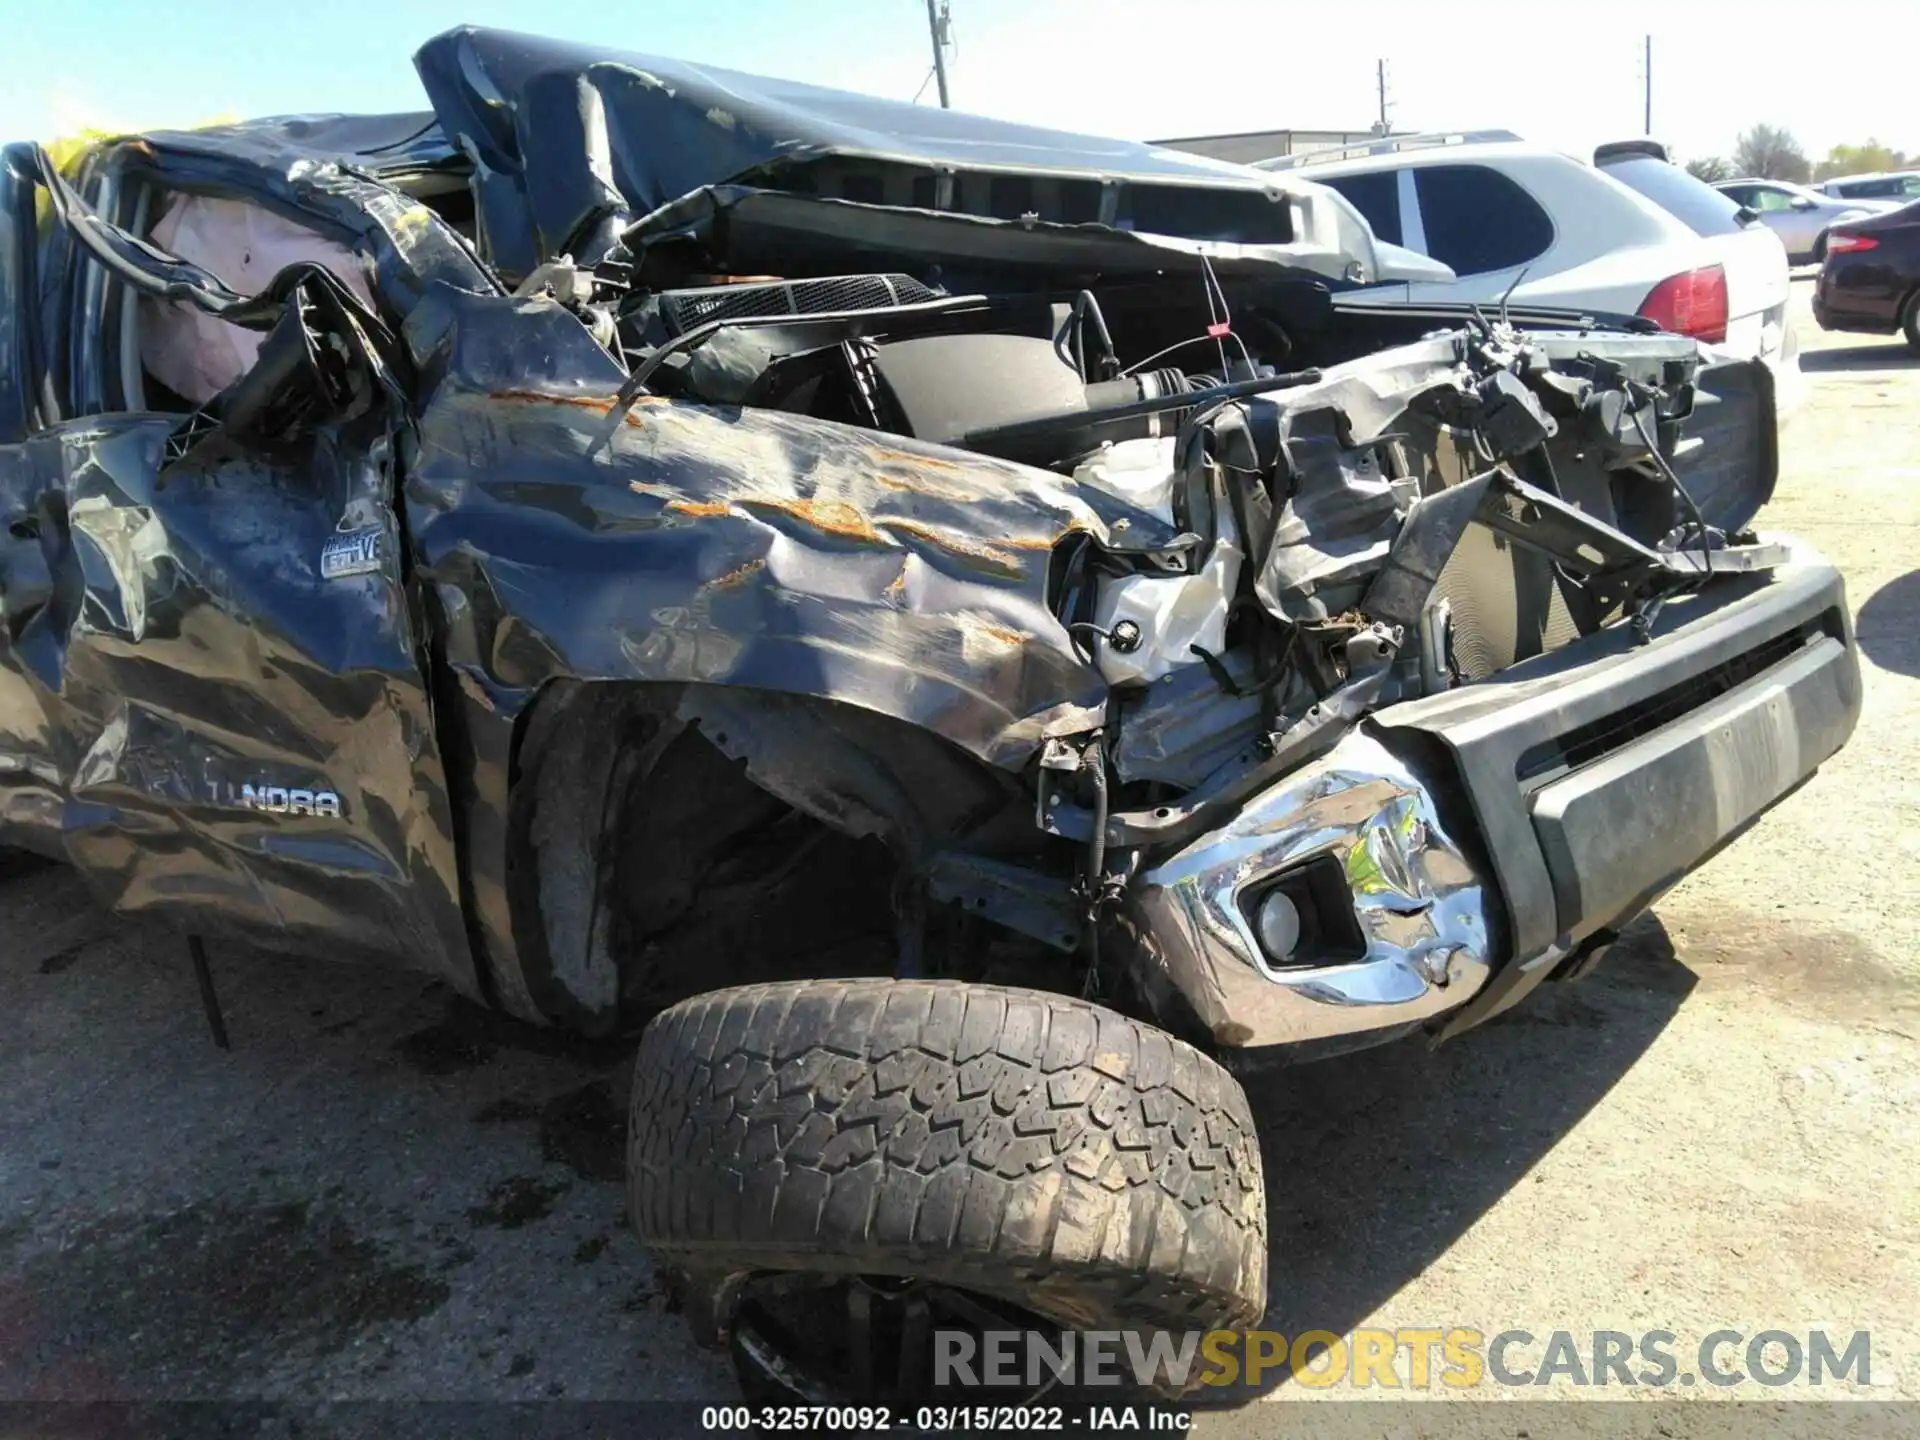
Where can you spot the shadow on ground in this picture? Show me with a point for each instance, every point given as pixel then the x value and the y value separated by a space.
pixel 381 1190
pixel 1888 625
pixel 1893 356
pixel 1377 1162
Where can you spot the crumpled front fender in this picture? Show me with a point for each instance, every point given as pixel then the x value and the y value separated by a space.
pixel 718 545
pixel 560 537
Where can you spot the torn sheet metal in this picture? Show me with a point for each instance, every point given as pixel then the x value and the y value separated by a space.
pixel 687 543
pixel 571 142
pixel 1340 508
pixel 679 542
pixel 644 128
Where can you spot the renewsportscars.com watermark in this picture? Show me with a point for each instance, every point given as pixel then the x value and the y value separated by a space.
pixel 1456 1358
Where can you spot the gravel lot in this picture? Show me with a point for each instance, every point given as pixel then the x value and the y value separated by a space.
pixel 381 1193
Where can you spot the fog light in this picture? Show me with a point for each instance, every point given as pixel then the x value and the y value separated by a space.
pixel 1278 920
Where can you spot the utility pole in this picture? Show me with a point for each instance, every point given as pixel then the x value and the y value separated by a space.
pixel 1380 79
pixel 938 20
pixel 1648 67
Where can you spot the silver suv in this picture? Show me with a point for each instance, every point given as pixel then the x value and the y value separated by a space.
pixel 1799 216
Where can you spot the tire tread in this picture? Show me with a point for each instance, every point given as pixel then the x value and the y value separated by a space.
pixel 1034 1146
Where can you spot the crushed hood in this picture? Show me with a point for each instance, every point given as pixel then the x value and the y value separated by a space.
pixel 572 143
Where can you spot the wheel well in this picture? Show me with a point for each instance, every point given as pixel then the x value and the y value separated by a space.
pixel 667 839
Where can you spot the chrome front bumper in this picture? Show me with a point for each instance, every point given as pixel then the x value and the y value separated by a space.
pixel 1421 906
pixel 1594 777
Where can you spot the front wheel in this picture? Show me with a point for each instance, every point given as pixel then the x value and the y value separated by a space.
pixel 1025 1147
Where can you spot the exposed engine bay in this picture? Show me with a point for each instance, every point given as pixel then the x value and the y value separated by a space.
pixel 1313 514
pixel 1283 573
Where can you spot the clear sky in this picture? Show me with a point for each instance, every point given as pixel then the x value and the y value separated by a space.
pixel 1565 74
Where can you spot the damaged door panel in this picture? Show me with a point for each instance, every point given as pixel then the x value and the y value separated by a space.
pixel 219 623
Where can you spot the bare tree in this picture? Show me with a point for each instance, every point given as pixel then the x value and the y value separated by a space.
pixel 1709 168
pixel 1769 152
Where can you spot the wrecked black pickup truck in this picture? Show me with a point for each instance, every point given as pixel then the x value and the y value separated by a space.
pixel 988 597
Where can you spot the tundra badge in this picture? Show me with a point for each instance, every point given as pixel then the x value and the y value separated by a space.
pixel 279 800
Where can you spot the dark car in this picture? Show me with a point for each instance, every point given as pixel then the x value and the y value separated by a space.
pixel 1870 279
pixel 945 624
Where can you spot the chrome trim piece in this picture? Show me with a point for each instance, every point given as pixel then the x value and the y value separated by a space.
pixel 1421 905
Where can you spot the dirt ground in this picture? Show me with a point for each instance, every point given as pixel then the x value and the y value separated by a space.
pixel 381 1193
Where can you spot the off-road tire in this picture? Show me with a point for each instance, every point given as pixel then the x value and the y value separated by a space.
pixel 1084 1166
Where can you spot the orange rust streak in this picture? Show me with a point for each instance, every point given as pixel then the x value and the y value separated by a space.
pixel 835 517
pixel 951 543
pixel 838 517
pixel 831 517
pixel 735 575
pixel 602 403
pixel 1002 634
pixel 599 404
pixel 929 461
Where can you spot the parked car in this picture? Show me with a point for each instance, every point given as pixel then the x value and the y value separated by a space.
pixel 938 621
pixel 1895 185
pixel 1870 279
pixel 1644 166
pixel 1799 216
pixel 1538 227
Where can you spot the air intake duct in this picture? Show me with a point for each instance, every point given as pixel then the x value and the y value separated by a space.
pixel 947 387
